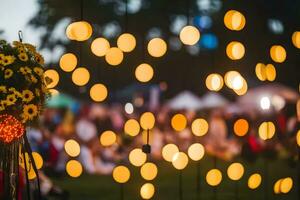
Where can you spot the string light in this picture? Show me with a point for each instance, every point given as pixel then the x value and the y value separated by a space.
pixel 121 174
pixel 147 191
pixel 137 157
pixel 254 181
pixel 74 168
pixel 234 20
pixel 10 128
pixel 100 46
pixel 178 122
pixel 157 47
pixel 53 76
pixel 126 42
pixel 189 35
pixel 278 53
pixel 148 171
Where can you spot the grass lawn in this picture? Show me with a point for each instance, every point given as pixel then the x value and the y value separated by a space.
pixel 91 187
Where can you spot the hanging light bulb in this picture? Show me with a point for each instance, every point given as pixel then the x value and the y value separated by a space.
pixel 126 42
pixel 100 46
pixel 234 20
pixel 189 35
pixel 80 76
pixel 157 47
pixel 144 72
pixel 114 56
pixel 68 62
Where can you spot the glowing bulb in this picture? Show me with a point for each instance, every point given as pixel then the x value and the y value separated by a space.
pixel 278 53
pixel 132 127
pixel 260 71
pixel 137 157
pixel 98 92
pixel 68 62
pixel 196 151
pixel 189 35
pixel 121 174
pixel 229 77
pixel 80 31
pixel 100 46
pixel 38 160
pixel 254 181
pixel 108 138
pixel 235 171
pixel 129 108
pixel 296 39
pixel 180 160
pixel 144 72
pixel 178 122
pixel 298 138
pixel 234 20
pixel 169 151
pixel 237 83
pixel 147 120
pixel 214 177
pixel 147 191
pixel 74 168
pixel 53 77
pixel 266 130
pixel 72 148
pixel 241 127
pixel 157 47
pixel 270 72
pixel 265 103
pixel 199 127
pixel 126 42
pixel 114 56
pixel 148 171
pixel 214 82
pixel 286 185
pixel 80 76
pixel 235 50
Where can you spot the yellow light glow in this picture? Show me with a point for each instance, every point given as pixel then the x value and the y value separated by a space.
pixel 72 148
pixel 298 109
pixel 98 92
pixel 114 56
pixel 126 42
pixel 266 130
pixel 147 191
pixel 276 186
pixel 180 160
pixel 31 174
pixel 214 82
pixel 199 127
pixel 53 92
pixel 137 157
pixel 69 32
pixel 132 127
pixel 80 76
pixel 270 72
pixel 169 151
pixel 235 171
pixel 196 151
pixel 298 138
pixel 189 35
pixel 38 160
pixel 74 168
pixel 53 76
pixel 234 20
pixel 296 39
pixel 147 120
pixel 81 30
pixel 148 171
pixel 144 72
pixel 157 47
pixel 100 46
pixel 241 127
pixel 229 77
pixel 108 138
pixel 178 122
pixel 254 181
pixel 278 53
pixel 121 174
pixel 243 90
pixel 260 71
pixel 235 50
pixel 68 62
pixel 213 177
pixel 286 185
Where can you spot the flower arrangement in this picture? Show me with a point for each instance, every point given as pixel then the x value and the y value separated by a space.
pixel 22 84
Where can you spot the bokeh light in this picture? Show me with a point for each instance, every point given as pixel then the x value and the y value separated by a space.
pixel 114 56
pixel 241 127
pixel 199 127
pixel 214 82
pixel 98 92
pixel 296 39
pixel 149 171
pixel 144 72
pixel 234 20
pixel 68 62
pixel 79 31
pixel 80 76
pixel 265 103
pixel 196 151
pixel 235 171
pixel 235 50
pixel 129 109
pixel 147 120
pixel 213 177
pixel 278 53
pixel 38 159
pixel 53 78
pixel 147 191
pixel 178 122
pixel 121 174
pixel 74 168
pixel 286 185
pixel 72 148
pixel 100 46
pixel 298 138
pixel 132 127
pixel 126 42
pixel 180 160
pixel 254 181
pixel 169 151
pixel 266 130
pixel 157 47
pixel 137 157
pixel 108 138
pixel 189 35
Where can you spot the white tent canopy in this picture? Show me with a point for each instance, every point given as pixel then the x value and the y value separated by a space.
pixel 213 100
pixel 185 100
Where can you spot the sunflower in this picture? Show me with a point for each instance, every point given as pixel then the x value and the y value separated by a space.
pixel 1 58
pixel 33 79
pixel 38 70
pixel 23 57
pixel 21 50
pixel 27 96
pixel 25 70
pixel 7 60
pixel 39 59
pixel 8 73
pixel 11 99
pixel 3 89
pixel 14 91
pixel 30 111
pixel 30 47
